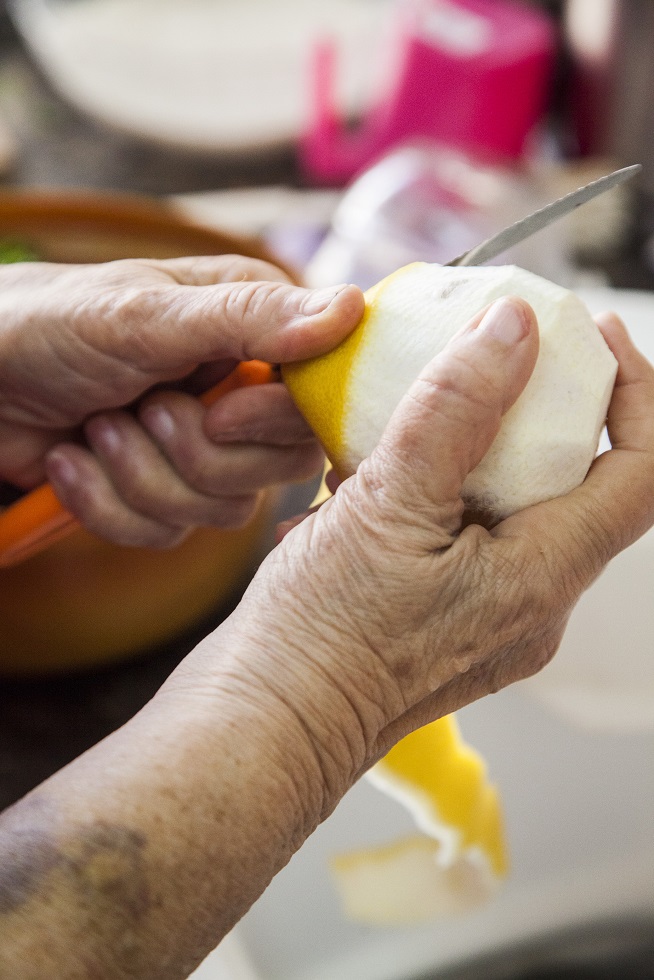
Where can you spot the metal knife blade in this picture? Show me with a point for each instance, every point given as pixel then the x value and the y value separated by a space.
pixel 540 219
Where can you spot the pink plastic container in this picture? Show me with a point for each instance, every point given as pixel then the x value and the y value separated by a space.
pixel 473 74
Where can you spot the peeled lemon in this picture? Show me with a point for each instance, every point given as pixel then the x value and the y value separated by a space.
pixel 548 439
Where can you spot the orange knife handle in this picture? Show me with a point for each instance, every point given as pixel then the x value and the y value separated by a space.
pixel 244 375
pixel 38 519
pixel 34 522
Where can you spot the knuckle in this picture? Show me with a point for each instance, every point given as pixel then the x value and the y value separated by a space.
pixel 394 488
pixel 249 300
pixel 235 513
pixel 237 268
pixel 375 512
pixel 459 391
pixel 202 472
pixel 107 521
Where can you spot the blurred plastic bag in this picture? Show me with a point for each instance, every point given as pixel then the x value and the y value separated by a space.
pixel 428 203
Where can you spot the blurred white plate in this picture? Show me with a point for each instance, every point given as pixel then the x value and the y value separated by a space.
pixel 205 75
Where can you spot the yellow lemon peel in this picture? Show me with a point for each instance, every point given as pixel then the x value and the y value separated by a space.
pixel 443 781
pixel 404 882
pixel 462 858
pixel 321 386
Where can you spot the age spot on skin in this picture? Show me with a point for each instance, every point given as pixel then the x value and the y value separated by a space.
pixel 102 866
pixel 28 853
pixel 107 860
pixel 26 859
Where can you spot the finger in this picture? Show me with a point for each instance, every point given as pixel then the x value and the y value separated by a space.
pixel 175 421
pixel 244 320
pixel 625 431
pixel 211 486
pixel 144 479
pixel 23 449
pixel 285 527
pixel 262 414
pixel 209 270
pixel 332 481
pixel 450 416
pixel 87 493
pixel 126 481
pixel 615 504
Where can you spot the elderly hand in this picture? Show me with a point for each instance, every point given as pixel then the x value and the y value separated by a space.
pixel 84 351
pixel 382 611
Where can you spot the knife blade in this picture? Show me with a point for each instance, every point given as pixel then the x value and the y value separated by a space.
pixel 529 225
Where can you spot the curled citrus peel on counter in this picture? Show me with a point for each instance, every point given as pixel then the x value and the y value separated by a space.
pixel 459 860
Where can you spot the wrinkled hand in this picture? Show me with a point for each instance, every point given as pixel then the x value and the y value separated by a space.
pixel 383 610
pixel 84 351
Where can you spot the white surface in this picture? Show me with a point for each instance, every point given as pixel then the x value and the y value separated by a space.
pixel 214 75
pixel 228 962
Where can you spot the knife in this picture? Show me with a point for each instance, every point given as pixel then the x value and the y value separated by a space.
pixel 38 519
pixel 528 226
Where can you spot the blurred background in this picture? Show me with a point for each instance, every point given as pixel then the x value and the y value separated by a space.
pixel 345 139
pixel 289 104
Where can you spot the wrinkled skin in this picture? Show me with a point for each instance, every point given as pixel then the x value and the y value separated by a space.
pixel 98 369
pixel 381 611
pixel 427 611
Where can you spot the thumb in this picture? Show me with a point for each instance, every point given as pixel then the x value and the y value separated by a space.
pixel 268 321
pixel 447 421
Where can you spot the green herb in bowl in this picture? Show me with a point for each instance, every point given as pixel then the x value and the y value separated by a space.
pixel 11 251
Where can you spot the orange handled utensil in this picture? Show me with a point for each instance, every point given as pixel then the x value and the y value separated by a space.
pixel 38 519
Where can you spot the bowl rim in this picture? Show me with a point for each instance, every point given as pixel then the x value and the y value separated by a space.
pixel 127 211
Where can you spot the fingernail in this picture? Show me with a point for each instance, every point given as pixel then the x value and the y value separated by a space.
pixel 61 470
pixel 320 299
pixel 506 320
pixel 159 422
pixel 103 435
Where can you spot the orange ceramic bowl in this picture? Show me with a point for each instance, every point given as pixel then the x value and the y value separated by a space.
pixel 84 602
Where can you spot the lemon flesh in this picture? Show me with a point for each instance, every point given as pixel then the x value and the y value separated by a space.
pixel 547 440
